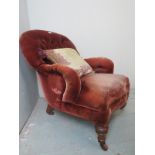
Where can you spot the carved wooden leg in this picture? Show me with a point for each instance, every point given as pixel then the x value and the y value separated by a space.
pixel 101 132
pixel 101 127
pixel 49 110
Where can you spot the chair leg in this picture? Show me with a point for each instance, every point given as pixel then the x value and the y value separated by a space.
pixel 49 110
pixel 101 133
pixel 101 127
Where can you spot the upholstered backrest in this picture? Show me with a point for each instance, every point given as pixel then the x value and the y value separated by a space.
pixel 33 42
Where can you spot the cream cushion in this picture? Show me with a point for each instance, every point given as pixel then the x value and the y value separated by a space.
pixel 70 58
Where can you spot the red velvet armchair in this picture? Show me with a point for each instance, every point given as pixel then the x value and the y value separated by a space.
pixel 92 97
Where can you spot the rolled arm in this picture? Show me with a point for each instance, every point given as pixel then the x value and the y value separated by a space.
pixel 72 80
pixel 101 65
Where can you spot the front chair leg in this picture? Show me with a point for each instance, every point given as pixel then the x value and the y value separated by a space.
pixel 102 132
pixel 102 129
pixel 49 110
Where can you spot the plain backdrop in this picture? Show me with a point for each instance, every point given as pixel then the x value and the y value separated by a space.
pixel 28 87
pixel 97 28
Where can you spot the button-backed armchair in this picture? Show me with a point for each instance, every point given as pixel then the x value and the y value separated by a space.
pixel 93 97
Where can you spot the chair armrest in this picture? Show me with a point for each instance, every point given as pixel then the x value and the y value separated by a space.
pixel 101 65
pixel 71 78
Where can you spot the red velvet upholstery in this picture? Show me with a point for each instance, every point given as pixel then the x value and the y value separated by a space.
pixel 101 65
pixel 93 97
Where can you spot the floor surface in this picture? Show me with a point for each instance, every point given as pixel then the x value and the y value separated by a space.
pixel 62 134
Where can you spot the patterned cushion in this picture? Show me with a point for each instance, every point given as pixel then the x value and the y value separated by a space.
pixel 70 58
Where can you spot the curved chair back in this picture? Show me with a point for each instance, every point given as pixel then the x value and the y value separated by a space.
pixel 33 43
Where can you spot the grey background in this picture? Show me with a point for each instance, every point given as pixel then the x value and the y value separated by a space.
pixel 28 91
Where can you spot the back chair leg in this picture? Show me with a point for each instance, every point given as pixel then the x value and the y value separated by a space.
pixel 50 110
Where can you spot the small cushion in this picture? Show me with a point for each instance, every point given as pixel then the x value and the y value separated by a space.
pixel 70 58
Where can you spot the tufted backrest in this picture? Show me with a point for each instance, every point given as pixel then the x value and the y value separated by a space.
pixel 33 43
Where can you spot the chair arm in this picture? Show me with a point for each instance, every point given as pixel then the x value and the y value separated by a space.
pixel 101 65
pixel 71 78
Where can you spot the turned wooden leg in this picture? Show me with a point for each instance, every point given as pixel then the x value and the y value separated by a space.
pixel 102 132
pixel 101 127
pixel 49 110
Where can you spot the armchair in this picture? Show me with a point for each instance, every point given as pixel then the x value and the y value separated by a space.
pixel 93 97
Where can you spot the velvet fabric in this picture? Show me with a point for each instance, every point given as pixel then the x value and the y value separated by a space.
pixel 92 97
pixel 33 43
pixel 101 65
pixel 71 79
pixel 87 97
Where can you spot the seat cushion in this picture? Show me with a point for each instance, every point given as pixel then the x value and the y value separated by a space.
pixel 100 90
